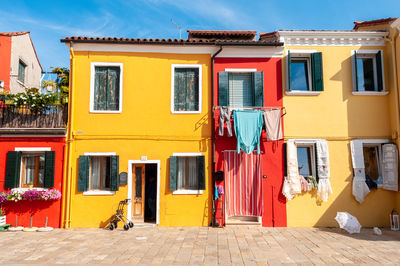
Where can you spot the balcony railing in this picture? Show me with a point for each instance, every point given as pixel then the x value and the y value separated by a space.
pixel 53 116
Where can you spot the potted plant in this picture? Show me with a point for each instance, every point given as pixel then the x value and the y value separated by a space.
pixel 30 184
pixel 2 217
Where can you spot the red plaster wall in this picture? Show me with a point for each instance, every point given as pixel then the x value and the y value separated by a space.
pixel 40 209
pixel 5 59
pixel 273 166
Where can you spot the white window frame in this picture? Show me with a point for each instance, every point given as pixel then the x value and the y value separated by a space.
pixel 309 144
pixel 93 65
pixel 98 192
pixel 369 54
pixel 29 150
pixel 175 66
pixel 374 143
pixel 187 191
pixel 301 54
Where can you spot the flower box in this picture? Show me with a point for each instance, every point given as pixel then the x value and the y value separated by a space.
pixel 2 220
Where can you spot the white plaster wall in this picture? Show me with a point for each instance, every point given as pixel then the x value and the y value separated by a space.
pixel 22 49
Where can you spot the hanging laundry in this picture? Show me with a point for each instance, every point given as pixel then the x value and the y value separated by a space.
pixel 304 184
pixel 248 127
pixel 324 185
pixel 220 190
pixel 273 125
pixel 225 115
pixel 292 183
pixel 360 188
pixel 216 195
pixel 243 184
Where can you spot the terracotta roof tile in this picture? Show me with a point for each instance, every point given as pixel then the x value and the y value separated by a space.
pixel 114 40
pixel 221 34
pixel 17 33
pixel 358 24
pixel 133 40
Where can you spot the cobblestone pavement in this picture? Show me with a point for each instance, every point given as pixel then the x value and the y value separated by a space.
pixel 201 245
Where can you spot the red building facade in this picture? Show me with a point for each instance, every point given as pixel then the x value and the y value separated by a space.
pixel 274 203
pixel 40 209
pixel 5 55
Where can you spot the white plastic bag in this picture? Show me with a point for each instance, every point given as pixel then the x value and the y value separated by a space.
pixel 348 222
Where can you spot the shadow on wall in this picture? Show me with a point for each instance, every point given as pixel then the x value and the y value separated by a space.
pixel 374 211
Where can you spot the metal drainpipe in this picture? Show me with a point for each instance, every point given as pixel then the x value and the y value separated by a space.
pixel 392 41
pixel 213 133
pixel 68 152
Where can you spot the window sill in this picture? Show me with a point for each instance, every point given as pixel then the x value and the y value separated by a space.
pixel 24 189
pixel 303 93
pixel 98 193
pixel 105 112
pixel 370 93
pixel 187 192
pixel 185 112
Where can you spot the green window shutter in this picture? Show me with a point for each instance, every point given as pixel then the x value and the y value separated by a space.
pixel 316 71
pixel 173 173
pixel 201 168
pixel 13 168
pixel 223 88
pixel 288 63
pixel 379 73
pixel 258 83
pixel 354 65
pixel 49 164
pixel 83 177
pixel 114 173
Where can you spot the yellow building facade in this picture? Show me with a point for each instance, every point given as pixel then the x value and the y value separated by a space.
pixel 343 110
pixel 128 133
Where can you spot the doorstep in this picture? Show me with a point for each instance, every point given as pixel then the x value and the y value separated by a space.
pixel 243 220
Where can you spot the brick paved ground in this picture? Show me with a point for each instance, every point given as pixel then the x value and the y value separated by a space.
pixel 234 245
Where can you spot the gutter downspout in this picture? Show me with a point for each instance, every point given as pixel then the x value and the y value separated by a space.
pixel 213 135
pixel 392 41
pixel 68 150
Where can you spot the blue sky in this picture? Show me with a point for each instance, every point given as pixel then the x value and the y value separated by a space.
pixel 49 21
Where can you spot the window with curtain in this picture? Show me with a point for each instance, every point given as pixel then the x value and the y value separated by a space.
pixel 99 177
pixel 32 169
pixel 372 162
pixel 21 71
pixel 106 88
pixel 186 89
pixel 187 173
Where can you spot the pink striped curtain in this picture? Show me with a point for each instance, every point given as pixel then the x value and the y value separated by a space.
pixel 243 183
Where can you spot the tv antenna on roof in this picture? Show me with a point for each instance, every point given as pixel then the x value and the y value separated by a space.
pixel 179 27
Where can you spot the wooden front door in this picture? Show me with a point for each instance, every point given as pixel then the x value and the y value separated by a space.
pixel 138 192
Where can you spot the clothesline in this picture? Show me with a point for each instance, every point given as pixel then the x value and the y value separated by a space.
pixel 256 108
pixel 236 151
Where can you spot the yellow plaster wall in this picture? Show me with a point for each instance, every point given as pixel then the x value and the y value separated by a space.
pixel 145 127
pixel 339 116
